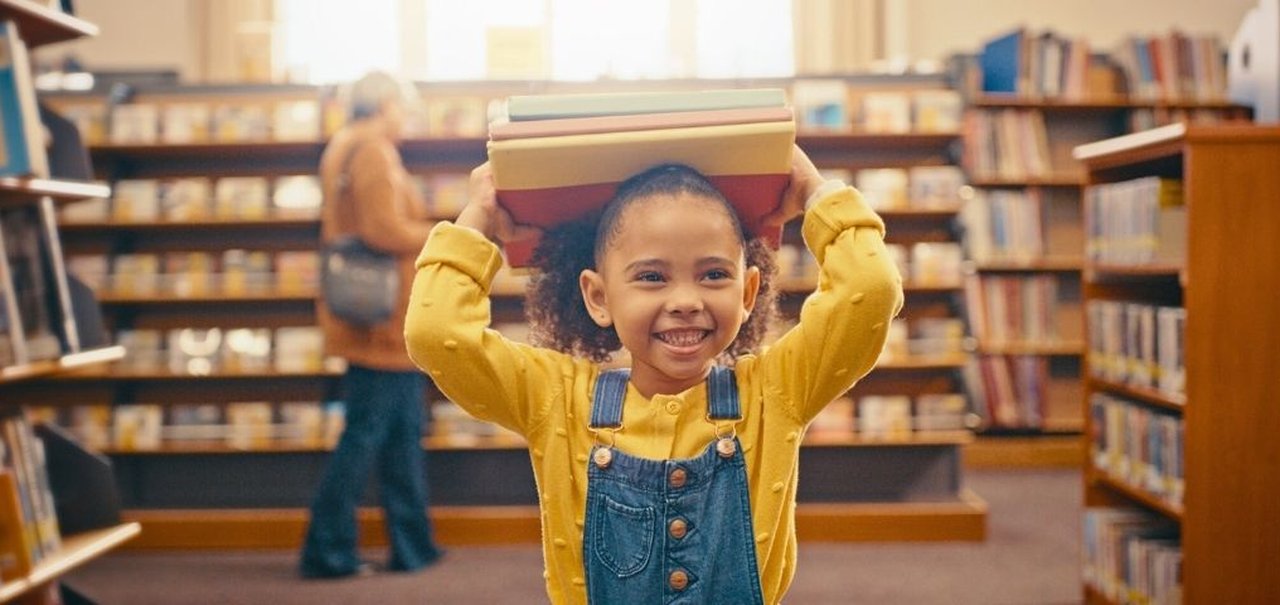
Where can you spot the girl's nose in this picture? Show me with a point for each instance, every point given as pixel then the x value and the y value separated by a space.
pixel 684 299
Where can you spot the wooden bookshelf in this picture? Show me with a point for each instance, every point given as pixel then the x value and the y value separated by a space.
pixel 1230 455
pixel 76 551
pixel 41 23
pixel 206 224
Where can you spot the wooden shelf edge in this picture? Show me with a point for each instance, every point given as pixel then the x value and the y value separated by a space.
pixel 1097 476
pixel 1148 396
pixel 1041 451
pixel 76 550
pixel 62 364
pixel 60 190
pixel 961 520
pixel 42 25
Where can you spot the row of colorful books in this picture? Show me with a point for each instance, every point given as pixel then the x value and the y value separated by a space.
pixel 1006 143
pixel 1132 556
pixel 240 424
pixel 1045 64
pixel 1016 391
pixel 1021 308
pixel 232 272
pixel 30 526
pixel 917 187
pixel 1138 445
pixel 204 351
pixel 188 122
pixel 921 263
pixel 199 198
pixel 1174 67
pixel 1137 222
pixel 890 417
pixel 1022 226
pixel 1139 344
pixel 831 104
pixel 923 337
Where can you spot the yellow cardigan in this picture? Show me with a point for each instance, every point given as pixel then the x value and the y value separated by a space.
pixel 545 395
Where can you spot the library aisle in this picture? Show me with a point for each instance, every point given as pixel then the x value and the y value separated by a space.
pixel 1031 556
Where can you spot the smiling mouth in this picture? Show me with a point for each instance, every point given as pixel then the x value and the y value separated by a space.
pixel 683 338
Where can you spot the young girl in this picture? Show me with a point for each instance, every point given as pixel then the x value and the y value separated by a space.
pixel 654 487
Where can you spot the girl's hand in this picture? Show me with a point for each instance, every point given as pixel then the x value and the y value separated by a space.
pixel 483 213
pixel 805 180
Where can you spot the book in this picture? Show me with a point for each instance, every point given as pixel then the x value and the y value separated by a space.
pixel 185 199
pixel 245 197
pixel 233 123
pixel 22 151
pixel 249 424
pixel 544 107
pixel 886 112
pixel 547 180
pixel 194 351
pixel 135 124
pixel 246 350
pixel 936 111
pixel 884 417
pixel 296 195
pixel 136 200
pixel 883 188
pixel 35 312
pixel 185 123
pixel 137 426
pixel 629 123
pixel 452 116
pixel 297 120
pixel 299 349
pixel 1003 62
pixel 194 422
pixel 821 104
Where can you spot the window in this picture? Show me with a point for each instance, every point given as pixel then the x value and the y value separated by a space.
pixel 523 39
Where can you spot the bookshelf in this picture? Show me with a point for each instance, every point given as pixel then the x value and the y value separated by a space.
pixel 1224 521
pixel 33 566
pixel 193 494
pixel 1026 227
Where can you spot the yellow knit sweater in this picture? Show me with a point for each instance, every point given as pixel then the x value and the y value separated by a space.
pixel 545 395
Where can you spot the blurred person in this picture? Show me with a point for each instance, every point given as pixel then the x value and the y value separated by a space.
pixel 368 193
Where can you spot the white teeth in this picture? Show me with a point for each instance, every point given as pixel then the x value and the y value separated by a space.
pixel 682 338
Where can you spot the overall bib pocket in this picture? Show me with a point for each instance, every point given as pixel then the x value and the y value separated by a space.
pixel 623 537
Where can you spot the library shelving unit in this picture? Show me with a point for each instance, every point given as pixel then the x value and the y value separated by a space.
pixel 1226 519
pixel 1029 142
pixel 36 581
pixel 212 494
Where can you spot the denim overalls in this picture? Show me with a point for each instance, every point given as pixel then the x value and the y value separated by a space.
pixel 668 531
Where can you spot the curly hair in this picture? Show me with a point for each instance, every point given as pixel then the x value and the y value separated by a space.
pixel 553 305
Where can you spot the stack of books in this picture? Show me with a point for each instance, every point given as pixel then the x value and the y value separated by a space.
pixel 558 158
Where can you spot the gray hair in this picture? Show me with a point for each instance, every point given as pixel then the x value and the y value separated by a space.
pixel 366 95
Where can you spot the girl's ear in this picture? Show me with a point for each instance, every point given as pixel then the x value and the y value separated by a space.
pixel 751 287
pixel 593 296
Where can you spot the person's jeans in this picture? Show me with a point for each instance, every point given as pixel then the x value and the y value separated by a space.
pixel 384 412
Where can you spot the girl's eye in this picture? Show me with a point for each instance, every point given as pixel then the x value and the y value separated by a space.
pixel 650 276
pixel 717 274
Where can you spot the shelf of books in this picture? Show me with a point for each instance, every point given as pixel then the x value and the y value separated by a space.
pixel 46 329
pixel 204 258
pixel 1031 97
pixel 1178 400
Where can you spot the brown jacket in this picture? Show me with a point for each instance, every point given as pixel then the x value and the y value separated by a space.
pixel 390 215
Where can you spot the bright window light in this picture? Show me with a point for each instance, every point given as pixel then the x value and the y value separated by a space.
pixel 555 39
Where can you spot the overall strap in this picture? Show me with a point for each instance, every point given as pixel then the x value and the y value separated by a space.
pixel 722 395
pixel 606 404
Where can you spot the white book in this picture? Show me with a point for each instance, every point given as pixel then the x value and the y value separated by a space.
pixel 546 107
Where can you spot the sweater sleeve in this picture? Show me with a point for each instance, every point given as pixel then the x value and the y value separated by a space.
pixel 844 323
pixel 448 336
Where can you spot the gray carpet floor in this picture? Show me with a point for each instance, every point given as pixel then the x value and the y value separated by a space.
pixel 1031 557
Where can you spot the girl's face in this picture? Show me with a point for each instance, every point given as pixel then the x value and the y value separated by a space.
pixel 674 285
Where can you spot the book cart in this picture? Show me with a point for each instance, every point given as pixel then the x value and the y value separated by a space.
pixel 212 493
pixel 1182 473
pixel 30 574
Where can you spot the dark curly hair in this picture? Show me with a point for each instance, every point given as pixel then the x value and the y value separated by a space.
pixel 553 305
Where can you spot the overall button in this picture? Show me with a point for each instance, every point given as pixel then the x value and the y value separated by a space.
pixel 726 448
pixel 677 478
pixel 602 457
pixel 678 580
pixel 678 528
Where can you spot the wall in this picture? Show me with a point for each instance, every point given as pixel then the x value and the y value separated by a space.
pixel 172 33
